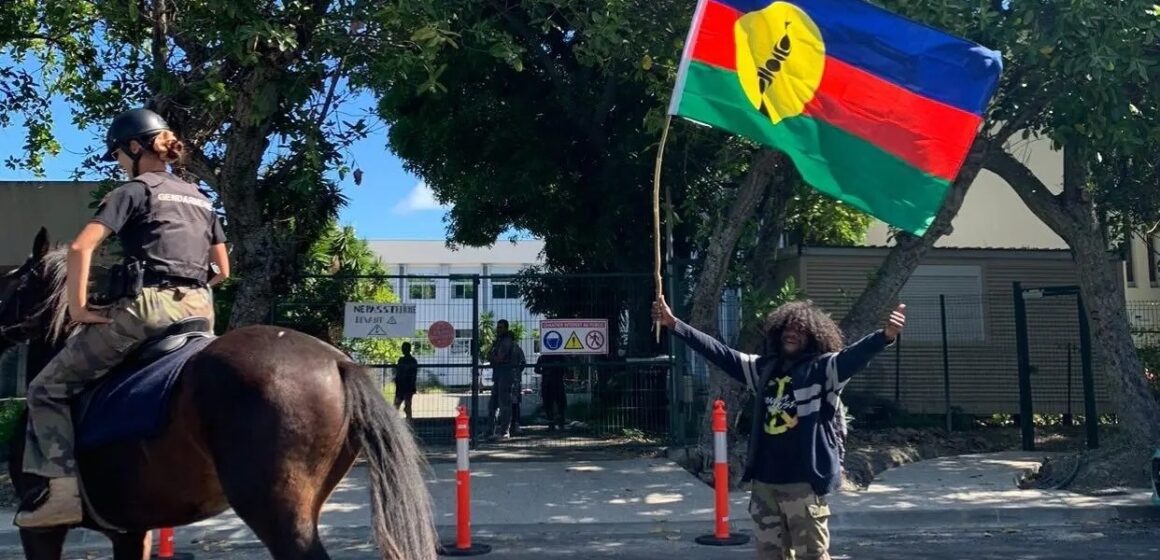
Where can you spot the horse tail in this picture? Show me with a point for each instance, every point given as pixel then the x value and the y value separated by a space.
pixel 402 517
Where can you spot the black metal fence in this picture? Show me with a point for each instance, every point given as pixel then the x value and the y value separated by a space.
pixel 959 359
pixel 620 397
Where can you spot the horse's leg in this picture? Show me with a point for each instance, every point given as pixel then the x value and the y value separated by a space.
pixel 131 546
pixel 43 544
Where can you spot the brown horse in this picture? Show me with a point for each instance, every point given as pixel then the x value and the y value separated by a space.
pixel 264 420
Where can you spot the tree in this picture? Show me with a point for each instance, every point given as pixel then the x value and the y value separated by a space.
pixel 339 267
pixel 1081 74
pixel 257 89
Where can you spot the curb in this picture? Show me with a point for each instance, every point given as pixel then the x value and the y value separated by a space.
pixel 194 538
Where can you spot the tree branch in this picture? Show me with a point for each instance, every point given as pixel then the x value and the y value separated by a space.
pixel 200 165
pixel 1030 188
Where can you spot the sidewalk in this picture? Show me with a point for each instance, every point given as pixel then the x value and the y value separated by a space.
pixel 645 496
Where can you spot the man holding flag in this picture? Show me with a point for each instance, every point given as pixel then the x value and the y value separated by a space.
pixel 876 111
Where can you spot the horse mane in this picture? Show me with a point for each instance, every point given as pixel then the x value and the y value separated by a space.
pixel 55 264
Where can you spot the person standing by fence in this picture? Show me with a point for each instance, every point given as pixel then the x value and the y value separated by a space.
pixel 795 446
pixel 552 369
pixel 406 379
pixel 502 357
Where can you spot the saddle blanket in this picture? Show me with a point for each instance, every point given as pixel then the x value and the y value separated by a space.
pixel 132 402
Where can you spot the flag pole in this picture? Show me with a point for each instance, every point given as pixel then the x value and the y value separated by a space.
pixel 656 207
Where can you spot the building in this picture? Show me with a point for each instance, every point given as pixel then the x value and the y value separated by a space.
pixel 980 368
pixel 62 207
pixel 440 282
pixel 994 217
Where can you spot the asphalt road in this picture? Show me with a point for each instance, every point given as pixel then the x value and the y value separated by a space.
pixel 1106 540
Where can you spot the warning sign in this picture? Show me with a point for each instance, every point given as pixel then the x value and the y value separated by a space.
pixel 384 320
pixel 574 336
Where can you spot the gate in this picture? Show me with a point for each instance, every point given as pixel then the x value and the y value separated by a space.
pixel 1053 345
pixel 620 398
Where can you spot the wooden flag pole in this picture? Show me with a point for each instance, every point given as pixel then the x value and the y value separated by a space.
pixel 656 202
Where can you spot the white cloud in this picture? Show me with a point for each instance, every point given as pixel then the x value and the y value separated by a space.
pixel 419 199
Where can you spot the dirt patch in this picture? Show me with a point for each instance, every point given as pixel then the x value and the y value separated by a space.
pixel 1115 468
pixel 871 452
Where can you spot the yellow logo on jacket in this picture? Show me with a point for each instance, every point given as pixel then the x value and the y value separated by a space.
pixel 779 419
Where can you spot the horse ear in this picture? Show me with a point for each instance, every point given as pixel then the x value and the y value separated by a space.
pixel 40 244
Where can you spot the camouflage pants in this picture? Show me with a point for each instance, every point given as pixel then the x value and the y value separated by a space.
pixel 791 522
pixel 88 354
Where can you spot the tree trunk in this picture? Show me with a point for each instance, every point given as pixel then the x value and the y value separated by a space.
pixel 707 298
pixel 1072 215
pixel 881 294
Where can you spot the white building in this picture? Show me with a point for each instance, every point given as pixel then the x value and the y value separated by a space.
pixel 439 282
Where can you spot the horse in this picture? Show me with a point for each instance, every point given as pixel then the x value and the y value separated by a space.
pixel 261 419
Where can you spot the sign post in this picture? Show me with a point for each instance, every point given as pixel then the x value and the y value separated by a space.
pixel 574 336
pixel 378 320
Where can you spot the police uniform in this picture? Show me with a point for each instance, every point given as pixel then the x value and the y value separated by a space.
pixel 167 225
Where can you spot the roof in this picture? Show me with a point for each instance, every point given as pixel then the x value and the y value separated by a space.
pixel 434 252
pixel 959 252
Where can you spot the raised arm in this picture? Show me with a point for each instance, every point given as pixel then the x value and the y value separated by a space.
pixel 737 365
pixel 855 357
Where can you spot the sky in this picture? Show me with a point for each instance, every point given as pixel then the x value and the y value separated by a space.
pixel 390 204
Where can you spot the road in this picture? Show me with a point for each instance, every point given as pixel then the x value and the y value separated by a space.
pixel 1119 540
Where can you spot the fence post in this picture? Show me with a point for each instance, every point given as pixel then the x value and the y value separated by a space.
pixel 1026 421
pixel 463 545
pixel 474 357
pixel 1091 420
pixel 721 535
pixel 942 307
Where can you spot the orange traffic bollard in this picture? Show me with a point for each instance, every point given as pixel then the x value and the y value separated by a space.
pixel 721 535
pixel 165 546
pixel 463 545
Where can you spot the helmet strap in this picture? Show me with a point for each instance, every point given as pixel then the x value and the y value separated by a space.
pixel 136 157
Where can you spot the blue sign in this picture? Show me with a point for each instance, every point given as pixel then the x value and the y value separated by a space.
pixel 553 340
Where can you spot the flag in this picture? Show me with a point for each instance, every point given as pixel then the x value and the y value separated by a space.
pixel 874 109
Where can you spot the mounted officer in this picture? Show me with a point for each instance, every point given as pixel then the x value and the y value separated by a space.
pixel 170 236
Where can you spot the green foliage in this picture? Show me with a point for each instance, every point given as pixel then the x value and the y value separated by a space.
pixel 10 410
pixel 258 91
pixel 1081 72
pixel 335 273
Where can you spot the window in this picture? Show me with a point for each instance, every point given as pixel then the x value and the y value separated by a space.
pixel 461 346
pixel 1129 263
pixel 421 289
pixel 462 289
pixel 504 290
pixel 1152 248
pixel 962 286
pixel 463 333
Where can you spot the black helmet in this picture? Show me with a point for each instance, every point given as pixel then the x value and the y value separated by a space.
pixel 134 124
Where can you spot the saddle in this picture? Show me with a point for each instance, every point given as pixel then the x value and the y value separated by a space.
pixel 132 401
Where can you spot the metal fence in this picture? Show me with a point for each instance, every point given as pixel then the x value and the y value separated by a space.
pixel 958 358
pixel 621 398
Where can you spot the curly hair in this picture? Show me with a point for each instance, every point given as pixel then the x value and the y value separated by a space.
pixel 821 331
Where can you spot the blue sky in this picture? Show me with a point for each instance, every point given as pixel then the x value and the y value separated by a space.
pixel 390 203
